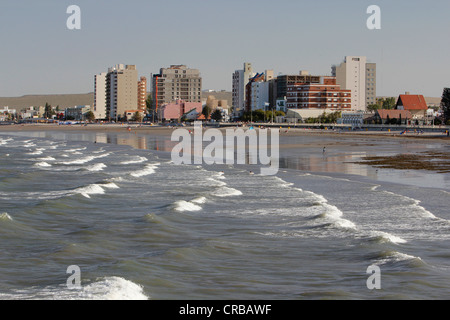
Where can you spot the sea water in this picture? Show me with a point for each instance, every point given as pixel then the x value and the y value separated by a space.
pixel 140 227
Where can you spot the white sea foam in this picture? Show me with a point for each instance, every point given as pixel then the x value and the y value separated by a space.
pixel 43 164
pixel 416 205
pixel 96 167
pixel 182 205
pixel 216 183
pixel 199 200
pixel 226 192
pixel 85 159
pixel 113 288
pixel 46 159
pixel 5 217
pixel 75 149
pixel 395 256
pixel 5 141
pixel 108 288
pixel 36 152
pixel 138 159
pixel 90 190
pixel 332 213
pixel 110 185
pixel 79 161
pixel 149 169
pixel 335 215
pixel 219 175
pixel 388 237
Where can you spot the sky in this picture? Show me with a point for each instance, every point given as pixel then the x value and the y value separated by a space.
pixel 40 55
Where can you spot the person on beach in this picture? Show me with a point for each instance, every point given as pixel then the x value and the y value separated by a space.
pixel 324 149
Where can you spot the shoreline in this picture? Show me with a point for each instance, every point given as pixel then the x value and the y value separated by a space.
pixel 378 157
pixel 160 130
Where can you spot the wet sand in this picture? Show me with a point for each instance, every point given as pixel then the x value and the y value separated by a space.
pixel 377 155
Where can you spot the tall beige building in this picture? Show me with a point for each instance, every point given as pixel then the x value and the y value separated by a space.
pixel 359 76
pixel 100 95
pixel 177 82
pixel 121 90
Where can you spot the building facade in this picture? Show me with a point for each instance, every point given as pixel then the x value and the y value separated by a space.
pixel 415 104
pixel 121 90
pixel 177 82
pixel 175 110
pixel 323 95
pixel 371 83
pixel 142 94
pixel 353 74
pixel 100 96
pixel 283 81
pixel 77 113
pixel 240 79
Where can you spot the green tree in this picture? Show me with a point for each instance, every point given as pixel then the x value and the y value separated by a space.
pixel 137 117
pixel 373 107
pixel 216 115
pixel 389 103
pixel 388 120
pixel 206 111
pixel 90 116
pixel 48 111
pixel 445 104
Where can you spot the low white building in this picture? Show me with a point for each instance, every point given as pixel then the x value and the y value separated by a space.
pixel 6 112
pixel 356 119
pixel 77 112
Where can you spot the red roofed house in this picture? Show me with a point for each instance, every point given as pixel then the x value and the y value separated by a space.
pixel 415 104
pixel 384 116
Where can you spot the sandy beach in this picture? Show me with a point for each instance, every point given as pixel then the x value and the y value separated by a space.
pixel 350 152
pixel 166 130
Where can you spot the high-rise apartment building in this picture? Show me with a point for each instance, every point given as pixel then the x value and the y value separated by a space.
pixel 240 79
pixel 371 83
pixel 142 94
pixel 352 75
pixel 100 96
pixel 121 90
pixel 176 83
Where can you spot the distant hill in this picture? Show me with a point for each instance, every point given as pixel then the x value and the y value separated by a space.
pixel 61 100
pixel 71 100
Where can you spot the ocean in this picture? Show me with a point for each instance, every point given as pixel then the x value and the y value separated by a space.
pixel 140 227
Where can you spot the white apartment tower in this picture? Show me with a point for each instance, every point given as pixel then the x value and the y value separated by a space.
pixel 100 95
pixel 240 80
pixel 353 74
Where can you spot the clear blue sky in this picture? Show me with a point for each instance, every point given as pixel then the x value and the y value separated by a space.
pixel 39 55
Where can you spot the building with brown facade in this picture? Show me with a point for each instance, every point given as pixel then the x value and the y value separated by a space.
pixel 142 94
pixel 322 94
